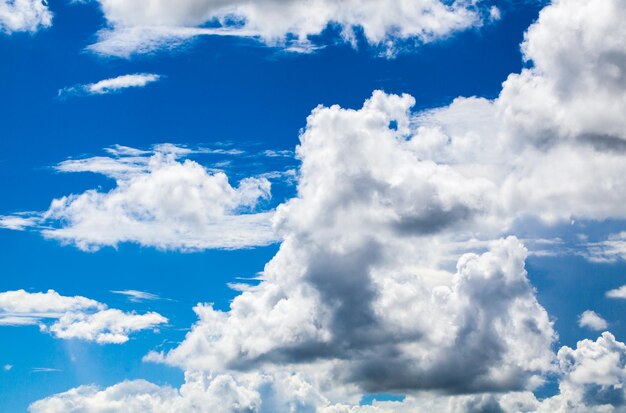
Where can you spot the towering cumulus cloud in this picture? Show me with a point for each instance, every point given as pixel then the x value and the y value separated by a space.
pixel 398 271
pixel 142 26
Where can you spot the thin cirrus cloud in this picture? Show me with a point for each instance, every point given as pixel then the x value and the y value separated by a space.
pixel 112 85
pixel 73 317
pixel 24 15
pixel 141 28
pixel 160 200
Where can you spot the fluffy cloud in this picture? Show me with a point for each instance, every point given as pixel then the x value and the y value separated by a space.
pixel 576 86
pixel 160 201
pixel 112 85
pixel 592 320
pixel 106 326
pixel 76 317
pixel 359 282
pixel 24 15
pixel 143 27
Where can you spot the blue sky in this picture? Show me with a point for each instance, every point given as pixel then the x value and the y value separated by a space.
pixel 237 105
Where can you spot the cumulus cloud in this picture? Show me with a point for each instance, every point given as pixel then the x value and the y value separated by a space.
pixel 159 200
pixel 112 85
pixel 75 317
pixel 592 320
pixel 592 379
pixel 24 15
pixel 140 28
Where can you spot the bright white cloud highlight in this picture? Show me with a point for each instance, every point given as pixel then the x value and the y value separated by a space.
pixel 112 85
pixel 75 317
pixel 24 15
pixel 145 26
pixel 592 320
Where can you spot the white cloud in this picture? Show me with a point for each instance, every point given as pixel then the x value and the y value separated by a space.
pixel 106 326
pixel 50 303
pixel 112 85
pixel 592 320
pixel 360 281
pixel 7 367
pixel 75 317
pixel 141 27
pixel 137 296
pixel 608 251
pixel 617 293
pixel 17 222
pixel 159 201
pixel 24 15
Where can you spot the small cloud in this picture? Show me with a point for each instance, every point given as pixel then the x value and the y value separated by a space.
pixel 111 85
pixel 270 153
pixel 7 367
pixel 617 292
pixel 45 370
pixel 136 296
pixel 592 320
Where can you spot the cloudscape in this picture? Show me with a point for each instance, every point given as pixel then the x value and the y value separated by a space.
pixel 289 206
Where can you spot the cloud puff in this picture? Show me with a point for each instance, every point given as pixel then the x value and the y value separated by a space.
pixel 75 317
pixel 158 201
pixel 592 320
pixel 139 27
pixel 112 85
pixel 24 15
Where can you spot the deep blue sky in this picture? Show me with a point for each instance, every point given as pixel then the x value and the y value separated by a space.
pixel 214 90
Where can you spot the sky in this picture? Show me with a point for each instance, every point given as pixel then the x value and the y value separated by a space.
pixel 312 206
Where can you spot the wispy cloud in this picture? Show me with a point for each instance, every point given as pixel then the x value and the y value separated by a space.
pixel 137 296
pixel 111 85
pixel 45 370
